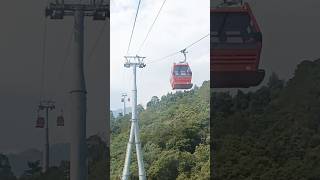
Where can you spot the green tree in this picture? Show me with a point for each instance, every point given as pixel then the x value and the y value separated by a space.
pixel 98 157
pixel 172 128
pixel 34 171
pixel 5 169
pixel 153 103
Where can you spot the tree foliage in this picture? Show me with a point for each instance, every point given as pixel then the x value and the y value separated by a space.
pixel 5 169
pixel 272 133
pixel 97 164
pixel 174 136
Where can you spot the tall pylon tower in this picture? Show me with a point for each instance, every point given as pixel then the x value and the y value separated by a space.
pixel 134 62
pixel 47 106
pixel 123 100
pixel 99 10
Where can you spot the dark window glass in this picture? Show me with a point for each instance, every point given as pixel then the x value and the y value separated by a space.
pixel 182 71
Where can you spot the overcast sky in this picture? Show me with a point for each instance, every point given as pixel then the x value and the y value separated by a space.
pixel 179 24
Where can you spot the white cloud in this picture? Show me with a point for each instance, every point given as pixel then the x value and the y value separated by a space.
pixel 179 24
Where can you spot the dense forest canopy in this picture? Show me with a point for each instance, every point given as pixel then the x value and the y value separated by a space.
pixel 272 133
pixel 97 162
pixel 174 135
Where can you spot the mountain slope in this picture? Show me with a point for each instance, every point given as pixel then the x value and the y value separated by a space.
pixel 174 135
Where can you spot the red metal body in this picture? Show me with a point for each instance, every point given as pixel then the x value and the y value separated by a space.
pixel 181 76
pixel 236 44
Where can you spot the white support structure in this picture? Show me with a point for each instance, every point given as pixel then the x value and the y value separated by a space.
pixel 47 106
pixel 123 99
pixel 134 62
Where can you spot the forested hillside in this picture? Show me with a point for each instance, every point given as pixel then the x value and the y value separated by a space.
pixel 174 135
pixel 97 165
pixel 272 133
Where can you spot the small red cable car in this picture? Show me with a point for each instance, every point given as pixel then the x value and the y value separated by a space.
pixel 60 119
pixel 40 122
pixel 236 43
pixel 181 75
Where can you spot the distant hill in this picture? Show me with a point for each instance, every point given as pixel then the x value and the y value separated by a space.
pixel 26 165
pixel 18 162
pixel 116 113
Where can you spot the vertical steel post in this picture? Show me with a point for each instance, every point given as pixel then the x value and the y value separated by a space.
pixel 46 148
pixel 47 106
pixel 126 172
pixel 124 95
pixel 124 106
pixel 135 121
pixel 78 154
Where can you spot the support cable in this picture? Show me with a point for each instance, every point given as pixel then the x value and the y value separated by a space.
pixel 63 65
pixel 145 39
pixel 134 24
pixel 172 54
pixel 43 61
pixel 97 40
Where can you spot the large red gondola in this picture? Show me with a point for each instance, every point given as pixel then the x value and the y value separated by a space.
pixel 236 43
pixel 181 74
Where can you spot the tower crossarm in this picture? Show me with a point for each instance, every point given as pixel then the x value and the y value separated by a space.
pixel 59 10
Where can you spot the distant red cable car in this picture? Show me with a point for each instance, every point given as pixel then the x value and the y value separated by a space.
pixel 60 119
pixel 236 43
pixel 40 122
pixel 181 75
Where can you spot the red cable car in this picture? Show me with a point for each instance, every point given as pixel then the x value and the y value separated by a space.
pixel 40 122
pixel 236 43
pixel 60 119
pixel 181 75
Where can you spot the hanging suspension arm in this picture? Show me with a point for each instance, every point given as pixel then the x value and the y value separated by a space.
pixel 184 52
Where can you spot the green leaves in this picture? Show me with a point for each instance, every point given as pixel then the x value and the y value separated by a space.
pixel 5 169
pixel 272 133
pixel 174 132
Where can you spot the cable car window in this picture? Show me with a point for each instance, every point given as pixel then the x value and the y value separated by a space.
pixel 231 27
pixel 182 71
